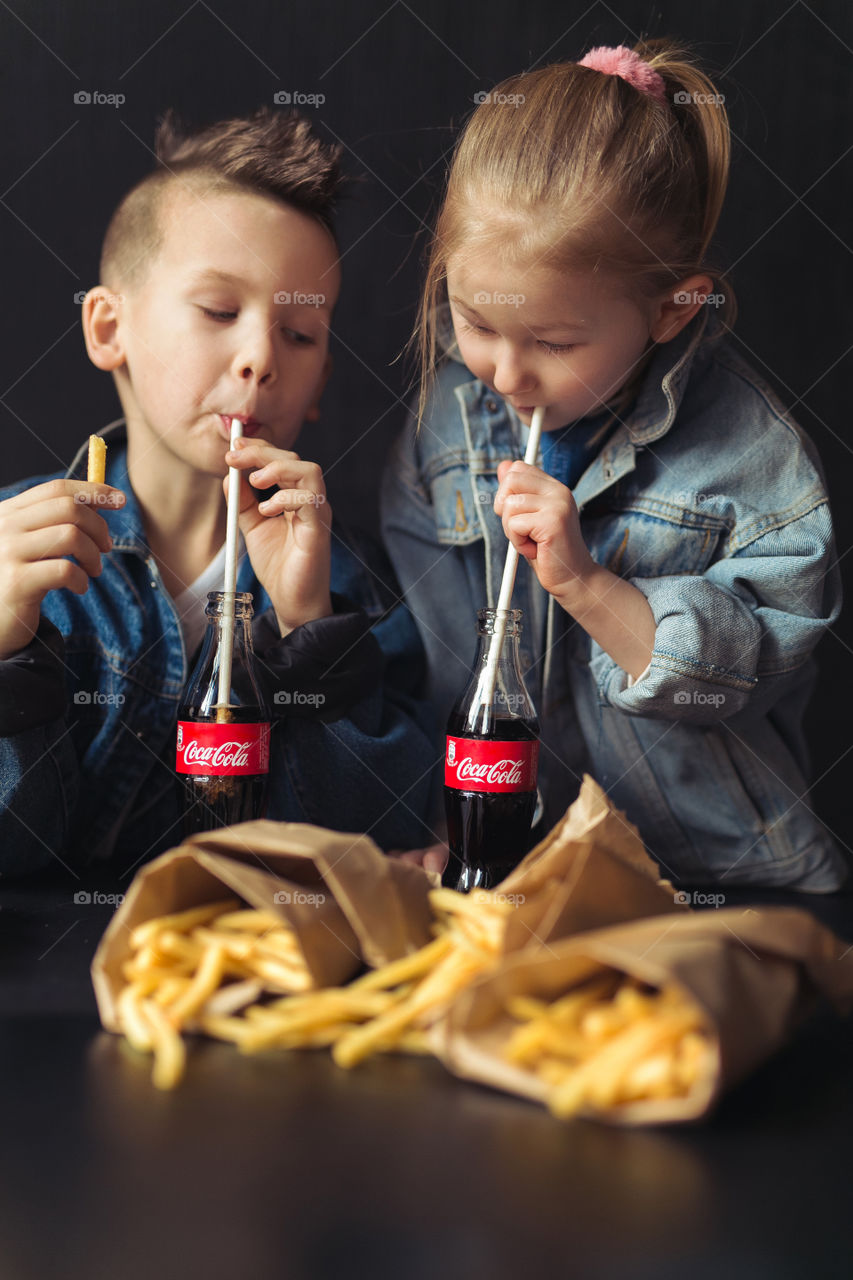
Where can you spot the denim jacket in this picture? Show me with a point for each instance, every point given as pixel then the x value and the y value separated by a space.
pixel 709 499
pixel 88 709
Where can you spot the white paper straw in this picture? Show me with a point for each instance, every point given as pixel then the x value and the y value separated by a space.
pixel 486 683
pixel 232 530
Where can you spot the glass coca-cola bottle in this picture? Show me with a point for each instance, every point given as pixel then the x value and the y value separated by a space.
pixel 490 764
pixel 223 747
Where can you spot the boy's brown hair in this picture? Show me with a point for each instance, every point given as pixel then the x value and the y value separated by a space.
pixel 270 153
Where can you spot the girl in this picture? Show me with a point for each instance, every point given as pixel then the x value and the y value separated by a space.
pixel 677 530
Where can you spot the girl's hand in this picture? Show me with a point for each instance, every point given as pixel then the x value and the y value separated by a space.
pixel 541 520
pixel 288 537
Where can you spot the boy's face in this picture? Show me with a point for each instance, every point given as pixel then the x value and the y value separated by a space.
pixel 232 318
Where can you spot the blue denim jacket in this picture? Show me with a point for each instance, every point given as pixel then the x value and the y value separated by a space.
pixel 709 499
pixel 90 773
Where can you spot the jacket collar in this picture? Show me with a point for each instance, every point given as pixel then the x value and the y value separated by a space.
pixel 663 387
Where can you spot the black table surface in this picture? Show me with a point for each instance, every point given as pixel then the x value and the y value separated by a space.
pixel 283 1165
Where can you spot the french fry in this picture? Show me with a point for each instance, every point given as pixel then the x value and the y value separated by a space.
pixel 210 967
pixel 169 1051
pixel 207 978
pixel 97 460
pixel 181 922
pixel 404 970
pixel 605 1045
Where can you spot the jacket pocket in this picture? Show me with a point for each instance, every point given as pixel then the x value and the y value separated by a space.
pixel 457 500
pixel 641 544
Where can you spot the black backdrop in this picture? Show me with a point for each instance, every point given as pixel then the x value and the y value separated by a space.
pixel 396 79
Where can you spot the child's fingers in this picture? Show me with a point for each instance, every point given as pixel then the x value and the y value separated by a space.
pixel 256 453
pixel 289 474
pixel 60 540
pixel 55 512
pixel 85 492
pixel 301 501
pixel 51 575
pixel 287 470
pixel 520 478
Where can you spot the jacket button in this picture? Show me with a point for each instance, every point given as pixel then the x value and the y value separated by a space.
pixel 492 406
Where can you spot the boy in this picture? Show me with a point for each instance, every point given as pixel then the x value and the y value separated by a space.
pixel 220 272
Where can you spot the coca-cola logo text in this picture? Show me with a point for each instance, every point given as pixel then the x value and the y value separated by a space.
pixel 221 749
pixel 504 773
pixel 473 764
pixel 230 754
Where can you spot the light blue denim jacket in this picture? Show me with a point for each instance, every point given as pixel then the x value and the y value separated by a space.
pixel 89 773
pixel 709 499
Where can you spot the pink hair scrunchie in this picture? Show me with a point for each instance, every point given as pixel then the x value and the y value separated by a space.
pixel 621 61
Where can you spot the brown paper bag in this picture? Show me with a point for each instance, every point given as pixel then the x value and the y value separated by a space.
pixel 755 974
pixel 591 870
pixel 344 900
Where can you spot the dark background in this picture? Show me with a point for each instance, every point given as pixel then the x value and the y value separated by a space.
pixel 398 79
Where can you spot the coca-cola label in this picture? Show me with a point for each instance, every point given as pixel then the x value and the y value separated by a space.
pixel 472 764
pixel 215 749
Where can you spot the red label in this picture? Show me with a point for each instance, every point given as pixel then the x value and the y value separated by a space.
pixel 210 749
pixel 474 765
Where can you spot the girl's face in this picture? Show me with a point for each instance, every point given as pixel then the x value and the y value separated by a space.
pixel 560 339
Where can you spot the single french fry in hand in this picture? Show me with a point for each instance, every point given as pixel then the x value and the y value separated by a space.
pixel 97 460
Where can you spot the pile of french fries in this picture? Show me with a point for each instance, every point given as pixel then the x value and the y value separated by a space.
pixel 214 968
pixel 238 975
pixel 610 1042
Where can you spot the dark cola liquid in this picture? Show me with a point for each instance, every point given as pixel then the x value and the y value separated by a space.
pixel 488 832
pixel 220 800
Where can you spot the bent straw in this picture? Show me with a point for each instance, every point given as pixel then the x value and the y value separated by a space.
pixel 486 683
pixel 226 656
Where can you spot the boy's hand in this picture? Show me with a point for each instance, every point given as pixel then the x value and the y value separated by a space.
pixel 541 520
pixel 37 529
pixel 289 536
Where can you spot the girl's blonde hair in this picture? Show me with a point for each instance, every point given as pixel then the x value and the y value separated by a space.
pixel 580 170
